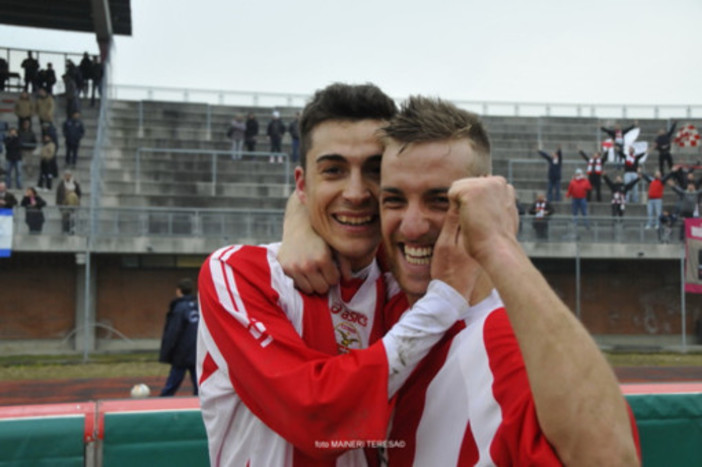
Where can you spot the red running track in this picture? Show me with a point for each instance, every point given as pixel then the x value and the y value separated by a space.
pixel 633 379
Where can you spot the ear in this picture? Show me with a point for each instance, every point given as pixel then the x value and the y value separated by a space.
pixel 300 184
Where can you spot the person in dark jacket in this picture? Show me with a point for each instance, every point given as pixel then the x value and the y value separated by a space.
pixel 595 166
pixel 619 190
pixel 179 342
pixel 13 158
pixel 555 162
pixel 73 131
pixel 541 210
pixel 251 132
pixel 662 144
pixel 275 132
pixel 33 205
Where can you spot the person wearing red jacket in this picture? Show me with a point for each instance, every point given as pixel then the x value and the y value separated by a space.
pixel 577 190
pixel 654 208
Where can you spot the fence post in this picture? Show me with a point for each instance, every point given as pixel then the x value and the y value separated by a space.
pixel 214 173
pixel 141 119
pixel 137 168
pixel 208 128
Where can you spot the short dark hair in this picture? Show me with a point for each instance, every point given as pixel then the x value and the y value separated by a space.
pixel 423 120
pixel 185 286
pixel 344 102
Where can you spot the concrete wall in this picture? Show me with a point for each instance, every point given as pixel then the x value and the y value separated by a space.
pixel 41 295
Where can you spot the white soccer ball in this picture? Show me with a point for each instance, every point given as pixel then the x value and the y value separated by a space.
pixel 139 391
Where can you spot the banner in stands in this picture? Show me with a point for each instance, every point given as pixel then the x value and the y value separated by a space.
pixel 687 136
pixel 5 232
pixel 693 255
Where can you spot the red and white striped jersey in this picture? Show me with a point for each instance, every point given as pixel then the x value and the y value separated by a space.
pixel 282 379
pixel 468 402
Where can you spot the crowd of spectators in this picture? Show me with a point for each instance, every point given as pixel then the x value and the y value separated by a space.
pixel 31 146
pixel 622 155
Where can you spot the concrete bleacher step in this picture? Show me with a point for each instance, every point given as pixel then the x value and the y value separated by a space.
pixel 192 201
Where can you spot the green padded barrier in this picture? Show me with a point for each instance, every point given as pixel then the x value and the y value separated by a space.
pixel 670 427
pixel 172 438
pixel 45 441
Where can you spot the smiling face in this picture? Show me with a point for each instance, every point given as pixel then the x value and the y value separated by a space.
pixel 414 201
pixel 340 187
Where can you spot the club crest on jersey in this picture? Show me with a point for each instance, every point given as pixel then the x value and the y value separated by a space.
pixel 347 337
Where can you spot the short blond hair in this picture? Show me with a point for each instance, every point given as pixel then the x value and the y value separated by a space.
pixel 423 120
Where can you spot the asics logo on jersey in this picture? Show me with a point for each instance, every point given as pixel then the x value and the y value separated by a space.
pixel 349 315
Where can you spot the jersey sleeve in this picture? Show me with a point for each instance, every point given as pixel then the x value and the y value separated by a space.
pixel 302 394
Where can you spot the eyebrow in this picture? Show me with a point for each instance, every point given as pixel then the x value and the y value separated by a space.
pixel 330 157
pixel 431 192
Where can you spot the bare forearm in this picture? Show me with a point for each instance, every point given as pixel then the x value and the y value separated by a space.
pixel 577 398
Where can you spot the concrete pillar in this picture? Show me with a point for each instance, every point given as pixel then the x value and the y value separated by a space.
pixel 85 319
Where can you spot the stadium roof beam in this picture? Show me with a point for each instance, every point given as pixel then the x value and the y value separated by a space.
pixel 104 17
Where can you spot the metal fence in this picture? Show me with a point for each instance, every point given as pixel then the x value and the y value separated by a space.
pixel 265 225
pixel 272 99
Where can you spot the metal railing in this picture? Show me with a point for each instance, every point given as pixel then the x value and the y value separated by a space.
pixel 265 225
pixel 483 107
pixel 214 156
pixel 258 225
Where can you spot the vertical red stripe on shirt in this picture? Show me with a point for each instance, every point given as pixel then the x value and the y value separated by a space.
pixel 519 439
pixel 469 448
pixel 412 398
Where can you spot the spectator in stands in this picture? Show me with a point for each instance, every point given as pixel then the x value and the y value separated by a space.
pixel 654 208
pixel 31 72
pixel 577 191
pixel 68 195
pixel 619 190
pixel 73 131
pixel 33 215
pixel 555 163
pixel 44 106
pixel 685 175
pixel 49 129
pixel 7 199
pixel 47 78
pixel 617 134
pixel 631 173
pixel 71 93
pixel 28 140
pixel 294 130
pixel 251 133
pixel 13 158
pixel 47 164
pixel 595 165
pixel 662 144
pixel 4 73
pixel 97 74
pixel 86 73
pixel 541 210
pixel 179 341
pixel 689 204
pixel 275 132
pixel 666 222
pixel 24 108
pixel 236 133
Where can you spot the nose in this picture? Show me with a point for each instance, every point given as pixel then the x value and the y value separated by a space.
pixel 415 223
pixel 357 190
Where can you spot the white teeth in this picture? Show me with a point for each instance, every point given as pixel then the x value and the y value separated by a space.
pixel 418 255
pixel 354 220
